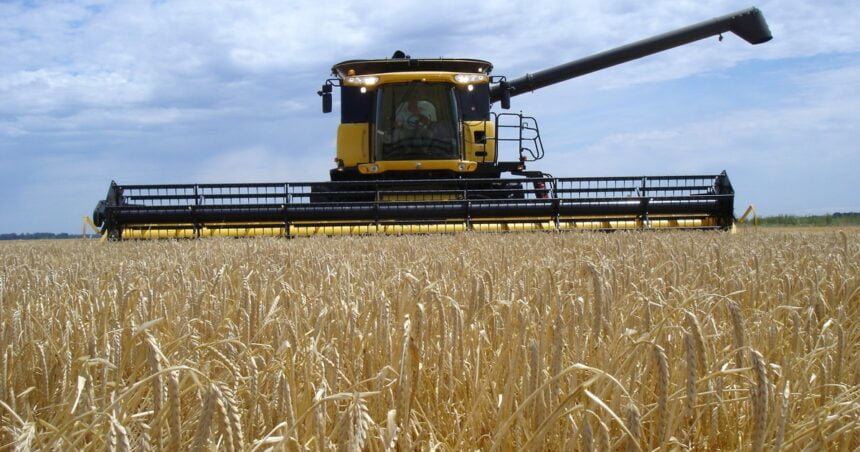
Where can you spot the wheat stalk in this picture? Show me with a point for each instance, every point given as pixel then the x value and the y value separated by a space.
pixel 634 426
pixel 739 333
pixel 175 409
pixel 662 374
pixel 587 441
pixel 201 437
pixel 692 376
pixel 154 360
pixel 760 401
pixel 233 417
pixel 121 435
pixel 508 338
pixel 223 420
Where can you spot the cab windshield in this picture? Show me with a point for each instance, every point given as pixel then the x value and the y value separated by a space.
pixel 416 121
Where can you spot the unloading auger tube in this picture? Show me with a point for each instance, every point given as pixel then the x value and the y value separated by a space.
pixel 428 195
pixel 749 24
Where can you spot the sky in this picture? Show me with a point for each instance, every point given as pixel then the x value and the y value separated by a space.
pixel 225 91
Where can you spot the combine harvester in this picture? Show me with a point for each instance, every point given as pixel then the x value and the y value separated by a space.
pixel 418 152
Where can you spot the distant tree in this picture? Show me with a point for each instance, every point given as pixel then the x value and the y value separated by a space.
pixel 836 219
pixel 39 236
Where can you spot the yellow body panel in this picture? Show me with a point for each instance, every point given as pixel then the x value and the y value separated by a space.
pixel 181 231
pixel 421 165
pixel 353 144
pixel 472 147
pixel 353 140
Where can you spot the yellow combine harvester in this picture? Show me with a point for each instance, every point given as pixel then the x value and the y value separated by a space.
pixel 418 151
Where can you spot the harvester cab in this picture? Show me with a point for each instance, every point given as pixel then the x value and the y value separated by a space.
pixel 419 150
pixel 418 119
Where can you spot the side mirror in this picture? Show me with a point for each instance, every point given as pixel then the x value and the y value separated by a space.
pixel 505 95
pixel 325 93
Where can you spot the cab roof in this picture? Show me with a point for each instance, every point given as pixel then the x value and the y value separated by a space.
pixel 364 67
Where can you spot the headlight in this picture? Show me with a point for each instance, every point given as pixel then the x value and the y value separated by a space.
pixel 374 168
pixel 362 80
pixel 461 166
pixel 464 79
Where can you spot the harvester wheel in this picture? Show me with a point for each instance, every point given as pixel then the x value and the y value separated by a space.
pixel 98 214
pixel 114 234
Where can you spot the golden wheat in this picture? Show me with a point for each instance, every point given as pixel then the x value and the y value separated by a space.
pixel 543 341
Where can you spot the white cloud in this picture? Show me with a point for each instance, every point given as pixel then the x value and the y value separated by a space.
pixel 111 55
pixel 826 103
pixel 795 155
pixel 43 91
pixel 108 53
pixel 259 164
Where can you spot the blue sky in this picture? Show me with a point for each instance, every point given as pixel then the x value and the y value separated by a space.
pixel 175 92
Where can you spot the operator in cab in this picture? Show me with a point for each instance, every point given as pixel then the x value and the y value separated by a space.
pixel 415 115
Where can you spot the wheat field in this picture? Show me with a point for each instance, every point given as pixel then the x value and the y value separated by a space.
pixel 541 341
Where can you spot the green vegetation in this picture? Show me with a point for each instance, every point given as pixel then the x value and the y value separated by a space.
pixel 40 236
pixel 836 219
